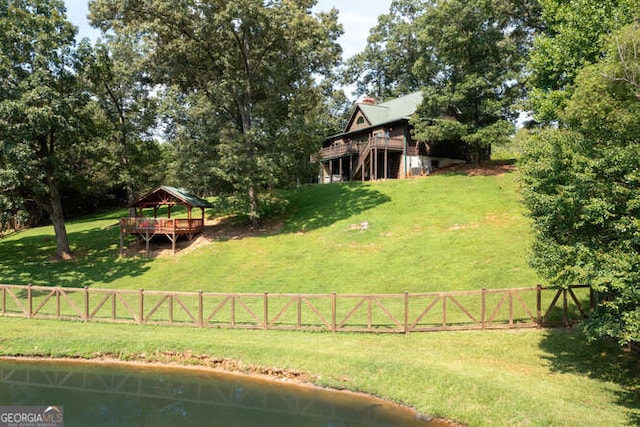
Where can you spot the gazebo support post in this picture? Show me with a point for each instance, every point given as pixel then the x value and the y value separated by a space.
pixel 173 239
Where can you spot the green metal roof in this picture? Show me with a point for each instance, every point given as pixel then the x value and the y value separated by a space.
pixel 393 110
pixel 173 195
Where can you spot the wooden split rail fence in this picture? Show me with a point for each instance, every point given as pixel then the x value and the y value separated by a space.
pixel 398 313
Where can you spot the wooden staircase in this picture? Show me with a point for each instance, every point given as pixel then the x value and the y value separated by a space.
pixel 364 159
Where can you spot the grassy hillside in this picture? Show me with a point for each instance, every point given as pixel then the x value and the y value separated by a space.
pixel 438 233
pixel 448 232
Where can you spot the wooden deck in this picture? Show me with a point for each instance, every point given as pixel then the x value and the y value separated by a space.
pixel 348 148
pixel 172 228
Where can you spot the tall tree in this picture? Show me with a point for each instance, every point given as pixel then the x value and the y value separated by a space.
pixel 582 188
pixel 251 59
pixel 41 104
pixel 385 68
pixel 573 36
pixel 121 87
pixel 472 66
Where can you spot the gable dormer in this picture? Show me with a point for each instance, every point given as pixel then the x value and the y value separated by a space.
pixel 358 121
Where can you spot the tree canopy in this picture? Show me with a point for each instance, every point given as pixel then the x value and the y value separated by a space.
pixel 126 112
pixel 580 183
pixel 385 68
pixel 42 107
pixel 472 66
pixel 254 63
pixel 573 36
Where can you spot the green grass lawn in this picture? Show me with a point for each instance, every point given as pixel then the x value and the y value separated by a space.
pixel 441 233
pixel 526 377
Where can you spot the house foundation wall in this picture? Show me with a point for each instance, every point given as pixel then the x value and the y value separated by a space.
pixel 424 165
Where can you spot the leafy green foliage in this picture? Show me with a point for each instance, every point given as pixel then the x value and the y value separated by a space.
pixel 254 64
pixel 114 73
pixel 385 68
pixel 472 72
pixel 581 187
pixel 574 35
pixel 42 107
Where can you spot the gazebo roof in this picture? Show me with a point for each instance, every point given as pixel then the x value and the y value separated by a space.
pixel 170 196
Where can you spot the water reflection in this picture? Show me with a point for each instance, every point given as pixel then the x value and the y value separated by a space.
pixel 109 395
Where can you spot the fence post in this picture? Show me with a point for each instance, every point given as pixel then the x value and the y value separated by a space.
pixel 333 311
pixel 200 310
pixel 406 312
pixel 565 308
pixel 266 310
pixel 592 305
pixel 510 308
pixel 86 303
pixel 4 300
pixel 539 304
pixel 141 318
pixel 299 324
pixel 483 309
pixel 30 300
pixel 444 311
pixel 171 296
pixel 58 291
pixel 233 310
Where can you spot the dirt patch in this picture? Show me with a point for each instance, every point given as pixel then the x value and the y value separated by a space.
pixel 223 364
pixel 484 169
pixel 215 229
pixel 455 227
pixel 187 360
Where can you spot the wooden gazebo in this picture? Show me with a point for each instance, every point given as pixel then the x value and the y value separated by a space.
pixel 172 228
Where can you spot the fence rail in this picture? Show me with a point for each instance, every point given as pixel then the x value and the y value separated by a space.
pixel 394 313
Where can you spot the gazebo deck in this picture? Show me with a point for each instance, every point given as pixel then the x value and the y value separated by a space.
pixel 172 228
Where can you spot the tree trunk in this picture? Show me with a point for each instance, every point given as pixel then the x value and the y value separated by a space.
pixel 245 104
pixel 253 208
pixel 54 208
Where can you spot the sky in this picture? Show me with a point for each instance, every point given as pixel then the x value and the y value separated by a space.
pixel 356 16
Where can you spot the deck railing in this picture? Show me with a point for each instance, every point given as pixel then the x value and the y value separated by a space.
pixel 344 149
pixel 134 225
pixel 398 313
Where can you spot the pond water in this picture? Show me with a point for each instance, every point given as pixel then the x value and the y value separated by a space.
pixel 115 395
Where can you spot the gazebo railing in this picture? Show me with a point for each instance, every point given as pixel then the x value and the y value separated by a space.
pixel 134 225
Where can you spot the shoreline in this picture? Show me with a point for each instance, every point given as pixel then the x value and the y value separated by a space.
pixel 224 368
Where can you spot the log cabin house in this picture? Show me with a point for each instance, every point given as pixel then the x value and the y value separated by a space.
pixel 146 228
pixel 377 144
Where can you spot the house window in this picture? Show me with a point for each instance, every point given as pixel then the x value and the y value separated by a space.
pixel 360 120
